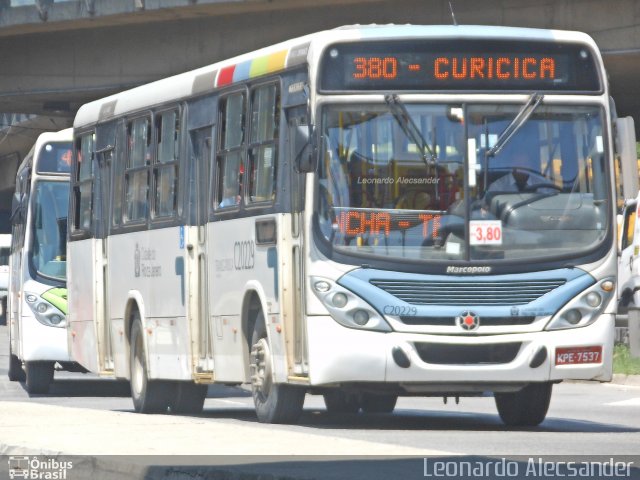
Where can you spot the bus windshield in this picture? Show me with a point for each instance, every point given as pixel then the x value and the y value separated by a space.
pixel 47 254
pixel 433 182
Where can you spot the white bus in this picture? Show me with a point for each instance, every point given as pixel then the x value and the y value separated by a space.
pixel 37 300
pixel 319 216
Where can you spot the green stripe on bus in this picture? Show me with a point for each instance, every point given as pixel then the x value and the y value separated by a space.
pixel 57 297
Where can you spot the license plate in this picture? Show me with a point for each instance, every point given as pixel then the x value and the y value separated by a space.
pixel 578 355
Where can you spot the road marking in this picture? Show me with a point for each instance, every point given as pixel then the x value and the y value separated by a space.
pixel 631 402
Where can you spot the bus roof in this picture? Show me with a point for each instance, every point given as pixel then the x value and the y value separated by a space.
pixel 294 52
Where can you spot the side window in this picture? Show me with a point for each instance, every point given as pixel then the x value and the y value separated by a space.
pixel 230 156
pixel 83 182
pixel 118 162
pixel 165 170
pixel 137 169
pixel 265 118
pixel 17 237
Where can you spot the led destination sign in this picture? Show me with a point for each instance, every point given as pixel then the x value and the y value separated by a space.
pixel 459 65
pixel 357 222
pixel 462 68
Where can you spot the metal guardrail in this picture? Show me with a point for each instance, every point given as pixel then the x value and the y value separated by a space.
pixel 628 330
pixel 9 119
pixel 43 5
pixel 622 331
pixel 633 328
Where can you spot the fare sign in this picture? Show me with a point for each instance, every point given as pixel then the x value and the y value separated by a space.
pixel 485 232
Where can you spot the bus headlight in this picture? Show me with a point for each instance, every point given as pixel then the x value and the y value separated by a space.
pixel 585 308
pixel 44 311
pixel 361 317
pixel 593 299
pixel 573 316
pixel 339 300
pixel 347 308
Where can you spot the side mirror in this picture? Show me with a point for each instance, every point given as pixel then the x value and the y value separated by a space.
pixel 626 145
pixel 17 209
pixel 303 148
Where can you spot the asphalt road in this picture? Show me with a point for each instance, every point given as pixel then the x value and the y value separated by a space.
pixel 585 419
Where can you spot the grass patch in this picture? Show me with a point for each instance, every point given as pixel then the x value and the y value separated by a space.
pixel 623 362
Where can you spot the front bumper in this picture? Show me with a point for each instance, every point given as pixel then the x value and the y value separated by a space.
pixel 41 342
pixel 343 355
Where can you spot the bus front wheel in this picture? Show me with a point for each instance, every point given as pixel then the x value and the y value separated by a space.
pixel 274 403
pixel 341 402
pixel 15 373
pixel 3 314
pixel 525 408
pixel 39 376
pixel 374 403
pixel 149 396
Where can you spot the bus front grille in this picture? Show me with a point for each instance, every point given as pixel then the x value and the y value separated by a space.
pixel 451 321
pixel 465 293
pixel 456 354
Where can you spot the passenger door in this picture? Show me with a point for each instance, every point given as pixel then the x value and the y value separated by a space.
pixel 196 253
pixel 104 155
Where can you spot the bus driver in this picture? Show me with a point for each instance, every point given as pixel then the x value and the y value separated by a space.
pixel 522 176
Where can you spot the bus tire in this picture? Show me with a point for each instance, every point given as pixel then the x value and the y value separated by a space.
pixel 339 402
pixel 274 403
pixel 15 373
pixel 39 376
pixel 149 396
pixel 188 398
pixel 525 408
pixel 376 403
pixel 3 306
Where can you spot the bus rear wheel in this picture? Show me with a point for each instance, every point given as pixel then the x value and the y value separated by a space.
pixel 274 403
pixel 149 396
pixel 39 376
pixel 188 398
pixel 525 408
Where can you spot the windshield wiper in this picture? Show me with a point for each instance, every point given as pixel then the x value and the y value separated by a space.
pixel 520 119
pixel 409 127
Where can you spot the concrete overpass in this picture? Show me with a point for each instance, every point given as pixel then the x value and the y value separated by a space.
pixel 56 55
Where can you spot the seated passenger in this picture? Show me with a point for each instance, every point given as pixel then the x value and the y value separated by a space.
pixel 230 197
pixel 414 201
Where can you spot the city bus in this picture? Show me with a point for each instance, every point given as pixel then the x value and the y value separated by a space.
pixel 37 299
pixel 362 213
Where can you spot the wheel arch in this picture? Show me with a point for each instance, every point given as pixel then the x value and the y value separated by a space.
pixel 252 304
pixel 135 303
